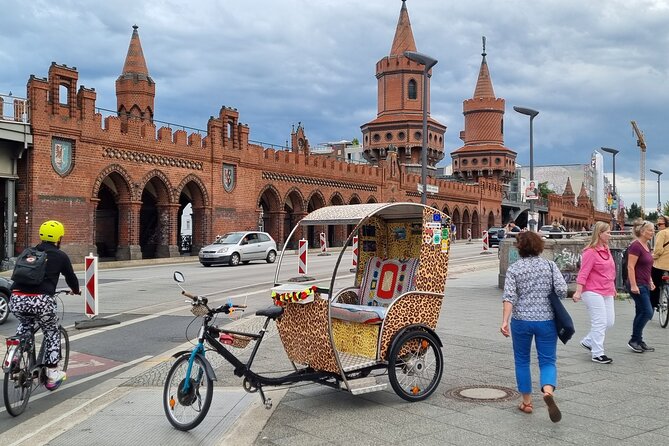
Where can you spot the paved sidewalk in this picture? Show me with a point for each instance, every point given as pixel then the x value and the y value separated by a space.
pixel 621 403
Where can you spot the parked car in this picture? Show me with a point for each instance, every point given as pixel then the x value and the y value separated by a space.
pixel 5 287
pixel 494 234
pixel 236 247
pixel 547 231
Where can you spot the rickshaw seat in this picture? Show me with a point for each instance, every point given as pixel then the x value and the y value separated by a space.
pixel 383 281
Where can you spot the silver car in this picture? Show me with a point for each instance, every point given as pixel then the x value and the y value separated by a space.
pixel 243 246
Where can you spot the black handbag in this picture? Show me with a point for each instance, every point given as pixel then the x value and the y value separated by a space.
pixel 563 322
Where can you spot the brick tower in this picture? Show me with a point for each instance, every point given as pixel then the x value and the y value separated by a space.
pixel 135 90
pixel 399 121
pixel 484 154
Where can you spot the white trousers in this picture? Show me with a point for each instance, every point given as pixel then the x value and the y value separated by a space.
pixel 602 317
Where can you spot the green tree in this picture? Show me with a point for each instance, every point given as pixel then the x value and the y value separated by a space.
pixel 355 142
pixel 634 211
pixel 652 216
pixel 544 190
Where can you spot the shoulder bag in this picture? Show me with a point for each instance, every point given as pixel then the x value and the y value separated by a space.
pixel 563 322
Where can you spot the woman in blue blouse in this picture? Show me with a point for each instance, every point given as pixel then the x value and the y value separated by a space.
pixel 526 305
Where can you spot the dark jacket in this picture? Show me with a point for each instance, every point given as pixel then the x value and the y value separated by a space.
pixel 57 263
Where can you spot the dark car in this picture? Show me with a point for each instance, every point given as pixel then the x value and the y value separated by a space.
pixel 495 234
pixel 236 247
pixel 5 287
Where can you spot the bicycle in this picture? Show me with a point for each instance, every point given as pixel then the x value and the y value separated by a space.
pixel 663 304
pixel 24 370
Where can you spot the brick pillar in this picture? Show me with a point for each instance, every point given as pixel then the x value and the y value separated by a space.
pixel 276 227
pixel 167 230
pixel 201 228
pixel 128 231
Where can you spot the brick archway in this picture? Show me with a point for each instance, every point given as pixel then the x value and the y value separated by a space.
pixel 157 217
pixel 192 229
pixel 270 213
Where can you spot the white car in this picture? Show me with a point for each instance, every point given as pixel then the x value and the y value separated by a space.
pixel 546 231
pixel 236 247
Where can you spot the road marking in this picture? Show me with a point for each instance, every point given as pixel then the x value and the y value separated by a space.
pixel 85 380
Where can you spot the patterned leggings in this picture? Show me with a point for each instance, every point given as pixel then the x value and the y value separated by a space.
pixel 40 308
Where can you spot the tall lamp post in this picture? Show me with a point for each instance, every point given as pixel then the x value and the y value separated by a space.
pixel 427 62
pixel 532 114
pixel 614 212
pixel 659 202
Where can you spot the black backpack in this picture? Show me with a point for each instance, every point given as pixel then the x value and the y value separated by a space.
pixel 30 267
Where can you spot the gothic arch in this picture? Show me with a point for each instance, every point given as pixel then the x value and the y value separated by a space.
pixel 336 199
pixel 355 199
pixel 269 212
pixel 294 195
pixel 192 221
pixel 164 189
pixel 371 199
pixel 195 181
pixel 121 179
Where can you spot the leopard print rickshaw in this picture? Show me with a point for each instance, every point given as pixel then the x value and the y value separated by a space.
pixel 380 240
pixel 303 329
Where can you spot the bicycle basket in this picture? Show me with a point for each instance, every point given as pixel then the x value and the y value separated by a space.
pixel 199 310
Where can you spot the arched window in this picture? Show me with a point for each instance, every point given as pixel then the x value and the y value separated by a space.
pixel 63 94
pixel 413 89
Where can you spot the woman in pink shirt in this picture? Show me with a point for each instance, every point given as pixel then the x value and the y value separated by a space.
pixel 595 284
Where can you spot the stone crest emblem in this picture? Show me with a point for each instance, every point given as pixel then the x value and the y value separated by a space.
pixel 229 177
pixel 61 156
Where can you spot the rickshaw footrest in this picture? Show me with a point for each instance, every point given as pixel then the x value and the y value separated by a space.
pixel 364 385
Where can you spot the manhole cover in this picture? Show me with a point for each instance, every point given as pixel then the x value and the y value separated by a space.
pixel 482 393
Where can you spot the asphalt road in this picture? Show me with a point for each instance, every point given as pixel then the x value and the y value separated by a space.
pixel 154 318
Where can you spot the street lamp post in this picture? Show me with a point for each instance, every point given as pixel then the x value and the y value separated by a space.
pixel 614 212
pixel 659 202
pixel 427 62
pixel 532 114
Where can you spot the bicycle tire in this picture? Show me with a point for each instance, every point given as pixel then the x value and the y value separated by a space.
pixel 64 349
pixel 185 411
pixel 415 365
pixel 18 384
pixel 663 306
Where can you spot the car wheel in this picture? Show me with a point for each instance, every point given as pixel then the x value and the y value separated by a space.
pixel 206 264
pixel 234 259
pixel 271 257
pixel 4 308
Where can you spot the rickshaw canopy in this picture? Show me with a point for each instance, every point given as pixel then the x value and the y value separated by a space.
pixel 354 213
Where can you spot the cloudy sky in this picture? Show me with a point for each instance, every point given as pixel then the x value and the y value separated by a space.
pixel 588 67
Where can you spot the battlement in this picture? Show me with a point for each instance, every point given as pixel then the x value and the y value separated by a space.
pixel 392 63
pixel 483 104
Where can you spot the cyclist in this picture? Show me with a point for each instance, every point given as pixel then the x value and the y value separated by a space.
pixel 660 258
pixel 36 303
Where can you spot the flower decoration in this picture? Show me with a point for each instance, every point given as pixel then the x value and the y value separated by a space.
pixel 293 296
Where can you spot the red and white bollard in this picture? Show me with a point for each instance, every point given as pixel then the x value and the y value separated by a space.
pixel 355 251
pixel 324 246
pixel 91 286
pixel 486 243
pixel 302 257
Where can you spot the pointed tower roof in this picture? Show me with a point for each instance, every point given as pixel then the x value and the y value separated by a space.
pixel 568 191
pixel 484 83
pixel 135 64
pixel 583 193
pixel 403 40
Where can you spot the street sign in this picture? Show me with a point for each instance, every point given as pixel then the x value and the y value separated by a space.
pixel 431 188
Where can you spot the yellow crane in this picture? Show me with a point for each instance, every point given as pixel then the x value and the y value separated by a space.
pixel 641 142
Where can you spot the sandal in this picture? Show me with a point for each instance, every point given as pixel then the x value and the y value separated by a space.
pixel 525 407
pixel 553 412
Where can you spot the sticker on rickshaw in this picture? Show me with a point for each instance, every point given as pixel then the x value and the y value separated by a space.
pixel 445 244
pixel 436 238
pixel 433 225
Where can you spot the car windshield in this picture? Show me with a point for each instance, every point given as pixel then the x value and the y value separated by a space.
pixel 546 228
pixel 231 238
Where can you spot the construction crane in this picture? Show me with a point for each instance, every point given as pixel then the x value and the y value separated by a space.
pixel 641 142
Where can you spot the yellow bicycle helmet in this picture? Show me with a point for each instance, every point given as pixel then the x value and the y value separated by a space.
pixel 51 231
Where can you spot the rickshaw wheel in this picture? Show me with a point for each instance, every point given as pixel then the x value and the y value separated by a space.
pixel 415 365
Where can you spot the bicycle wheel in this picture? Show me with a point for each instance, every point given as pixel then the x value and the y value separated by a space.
pixel 663 306
pixel 18 383
pixel 415 365
pixel 185 409
pixel 64 349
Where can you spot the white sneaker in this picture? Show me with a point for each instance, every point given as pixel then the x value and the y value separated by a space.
pixel 55 378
